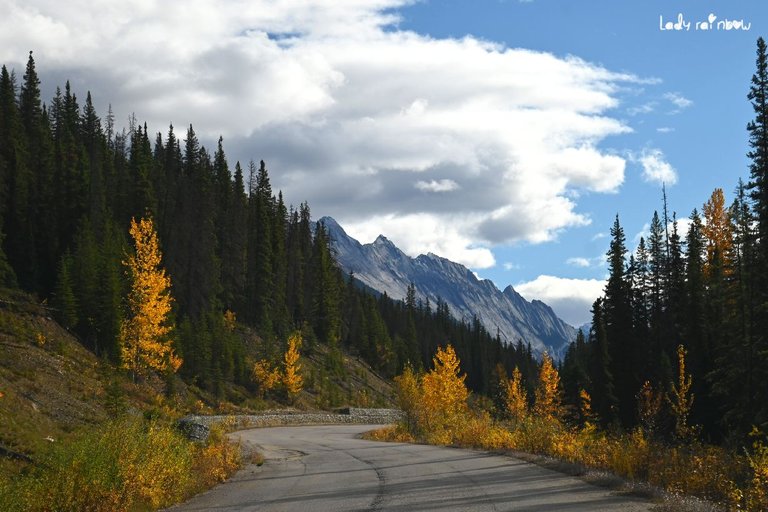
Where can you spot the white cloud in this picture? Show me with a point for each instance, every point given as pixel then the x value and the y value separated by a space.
pixel 665 129
pixel 437 186
pixel 582 262
pixel 348 111
pixel 571 299
pixel 645 232
pixel 655 168
pixel 683 224
pixel 424 233
pixel 645 108
pixel 678 100
pixel 511 266
pixel 578 262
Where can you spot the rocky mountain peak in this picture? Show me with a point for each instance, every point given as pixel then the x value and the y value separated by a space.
pixel 385 268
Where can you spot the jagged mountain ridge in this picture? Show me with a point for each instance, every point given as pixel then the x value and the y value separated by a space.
pixel 385 268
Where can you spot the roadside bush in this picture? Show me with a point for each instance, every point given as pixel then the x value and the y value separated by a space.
pixel 127 464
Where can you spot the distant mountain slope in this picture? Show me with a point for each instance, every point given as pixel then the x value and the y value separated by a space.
pixel 385 268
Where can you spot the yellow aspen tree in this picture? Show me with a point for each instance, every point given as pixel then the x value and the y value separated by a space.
pixel 409 397
pixel 230 320
pixel 680 398
pixel 548 400
pixel 585 408
pixel 718 231
pixel 443 391
pixel 516 397
pixel 292 380
pixel 648 407
pixel 265 376
pixel 144 335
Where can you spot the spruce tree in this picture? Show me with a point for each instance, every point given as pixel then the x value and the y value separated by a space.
pixel 601 387
pixel 617 310
pixel 758 186
pixel 233 252
pixel 28 193
pixel 758 154
pixel 64 299
pixel 279 314
pixel 657 267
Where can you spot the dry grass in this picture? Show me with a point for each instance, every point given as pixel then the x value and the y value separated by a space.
pixel 129 464
pixel 707 476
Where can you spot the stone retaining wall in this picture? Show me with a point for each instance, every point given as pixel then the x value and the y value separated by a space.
pixel 197 427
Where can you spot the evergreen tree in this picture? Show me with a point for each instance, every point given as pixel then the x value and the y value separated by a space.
pixel 27 196
pixel 233 253
pixel 325 284
pixel 601 387
pixel 65 301
pixel 676 296
pixel 259 272
pixel 758 187
pixel 657 272
pixel 617 314
pixel 279 314
pixel 735 377
pixel 758 143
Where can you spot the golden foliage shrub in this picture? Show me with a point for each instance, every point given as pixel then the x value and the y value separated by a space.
pixel 757 491
pixel 125 465
pixel 217 460
pixel 392 433
pixel 292 379
pixel 265 376
pixel 408 393
pixel 516 399
pixel 709 472
pixel 443 403
pixel 548 402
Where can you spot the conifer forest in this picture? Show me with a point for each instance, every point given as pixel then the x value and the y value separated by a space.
pixel 72 182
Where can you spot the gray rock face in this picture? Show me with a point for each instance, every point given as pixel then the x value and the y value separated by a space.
pixel 386 269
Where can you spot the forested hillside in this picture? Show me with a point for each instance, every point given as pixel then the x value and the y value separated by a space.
pixel 70 183
pixel 705 290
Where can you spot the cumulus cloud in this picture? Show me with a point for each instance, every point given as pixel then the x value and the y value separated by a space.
pixel 655 167
pixel 376 126
pixel 571 299
pixel 424 233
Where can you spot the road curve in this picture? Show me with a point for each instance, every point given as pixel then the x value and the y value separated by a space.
pixel 326 468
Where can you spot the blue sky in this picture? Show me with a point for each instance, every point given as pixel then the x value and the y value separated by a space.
pixel 704 141
pixel 501 134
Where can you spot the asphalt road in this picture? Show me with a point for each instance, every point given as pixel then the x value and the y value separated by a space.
pixel 326 468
